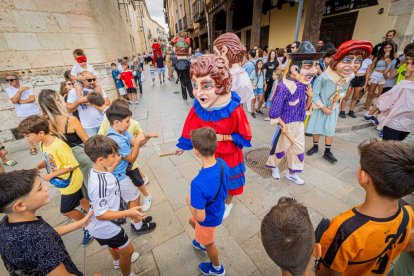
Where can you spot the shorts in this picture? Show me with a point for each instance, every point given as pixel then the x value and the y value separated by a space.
pixel 161 71
pixel 128 190
pixel 131 90
pixel 136 177
pixel 117 242
pixel 258 91
pixel 358 81
pixel 70 202
pixel 204 234
pixel 377 78
pixel 122 91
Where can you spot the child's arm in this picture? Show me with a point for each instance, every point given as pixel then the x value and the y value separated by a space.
pixel 60 270
pixel 147 137
pixel 135 150
pixel 133 212
pixel 62 230
pixel 309 93
pixel 56 173
pixel 199 215
pixel 41 165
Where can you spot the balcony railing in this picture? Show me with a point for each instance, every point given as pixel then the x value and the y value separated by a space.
pixel 198 12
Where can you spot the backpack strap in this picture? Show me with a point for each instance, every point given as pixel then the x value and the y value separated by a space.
pixel 221 181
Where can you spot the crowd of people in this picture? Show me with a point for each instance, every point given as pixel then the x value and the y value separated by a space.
pixel 90 145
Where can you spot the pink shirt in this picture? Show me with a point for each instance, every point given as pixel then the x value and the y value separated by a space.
pixel 397 107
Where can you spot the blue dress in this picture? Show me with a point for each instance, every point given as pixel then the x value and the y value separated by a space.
pixel 323 88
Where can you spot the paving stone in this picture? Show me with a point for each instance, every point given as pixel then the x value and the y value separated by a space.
pixel 354 197
pixel 254 248
pixel 146 265
pixel 176 191
pixel 156 192
pixel 177 257
pixel 102 262
pixel 189 169
pixel 349 176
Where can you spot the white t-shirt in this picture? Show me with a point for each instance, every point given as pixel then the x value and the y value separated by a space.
pixel 25 109
pixel 77 69
pixel 365 64
pixel 89 116
pixel 104 195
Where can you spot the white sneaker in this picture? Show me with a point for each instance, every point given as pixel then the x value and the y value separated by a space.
pixel 134 258
pixel 267 119
pixel 146 180
pixel 295 178
pixel 276 173
pixel 227 210
pixel 146 203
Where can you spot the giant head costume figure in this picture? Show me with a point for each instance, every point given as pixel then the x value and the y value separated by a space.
pixel 229 46
pixel 181 45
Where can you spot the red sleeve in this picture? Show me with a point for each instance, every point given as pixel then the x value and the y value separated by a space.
pixel 188 40
pixel 243 126
pixel 191 122
pixel 121 76
pixel 175 40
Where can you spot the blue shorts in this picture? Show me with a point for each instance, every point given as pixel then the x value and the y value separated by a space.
pixel 161 71
pixel 258 91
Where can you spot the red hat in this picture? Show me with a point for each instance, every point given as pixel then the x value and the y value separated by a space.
pixel 350 45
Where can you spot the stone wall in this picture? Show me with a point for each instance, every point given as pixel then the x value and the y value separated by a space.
pixel 37 38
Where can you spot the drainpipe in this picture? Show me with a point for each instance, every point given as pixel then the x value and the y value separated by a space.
pixel 298 18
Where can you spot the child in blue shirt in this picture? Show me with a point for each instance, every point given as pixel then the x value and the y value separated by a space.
pixel 257 77
pixel 207 196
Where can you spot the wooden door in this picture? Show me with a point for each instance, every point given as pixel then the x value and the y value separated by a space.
pixel 339 28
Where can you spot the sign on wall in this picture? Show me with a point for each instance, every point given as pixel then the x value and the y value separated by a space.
pixel 339 6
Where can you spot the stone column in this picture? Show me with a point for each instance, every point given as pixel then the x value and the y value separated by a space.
pixel 229 17
pixel 211 31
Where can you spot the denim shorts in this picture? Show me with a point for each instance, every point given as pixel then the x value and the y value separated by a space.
pixel 161 70
pixel 258 91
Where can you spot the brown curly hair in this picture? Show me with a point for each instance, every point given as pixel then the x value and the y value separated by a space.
pixel 235 48
pixel 218 70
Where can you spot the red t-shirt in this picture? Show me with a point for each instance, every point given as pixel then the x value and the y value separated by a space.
pixel 128 78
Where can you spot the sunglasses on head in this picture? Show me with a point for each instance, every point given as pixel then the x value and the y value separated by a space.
pixel 90 80
pixel 10 80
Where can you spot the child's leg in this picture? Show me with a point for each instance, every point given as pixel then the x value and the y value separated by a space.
pixel 68 203
pixel 125 255
pixel 135 203
pixel 260 102
pixel 79 89
pixel 143 190
pixel 212 253
pixel 229 199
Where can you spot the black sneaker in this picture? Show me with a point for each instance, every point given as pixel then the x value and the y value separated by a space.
pixel 259 112
pixel 119 222
pixel 352 114
pixel 144 221
pixel 145 228
pixel 253 115
pixel 342 114
pixel 330 157
pixel 312 150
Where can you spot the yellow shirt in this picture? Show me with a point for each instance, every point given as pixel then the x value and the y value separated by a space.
pixel 58 155
pixel 134 129
pixel 401 72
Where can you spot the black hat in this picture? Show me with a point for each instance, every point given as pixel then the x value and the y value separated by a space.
pixel 306 51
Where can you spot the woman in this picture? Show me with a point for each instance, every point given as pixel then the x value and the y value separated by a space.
pixel 65 87
pixel 376 70
pixel 270 66
pixel 257 78
pixel 67 128
pixel 357 84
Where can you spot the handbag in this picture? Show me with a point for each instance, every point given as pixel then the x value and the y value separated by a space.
pixel 57 181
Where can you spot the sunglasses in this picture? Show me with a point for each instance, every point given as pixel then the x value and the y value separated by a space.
pixel 91 80
pixel 10 80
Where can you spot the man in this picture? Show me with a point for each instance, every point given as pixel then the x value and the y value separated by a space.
pixel 319 45
pixel 23 99
pixel 182 64
pixel 90 117
pixel 249 67
pixel 294 47
pixel 388 37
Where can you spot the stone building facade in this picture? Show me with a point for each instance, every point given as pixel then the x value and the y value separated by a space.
pixel 37 38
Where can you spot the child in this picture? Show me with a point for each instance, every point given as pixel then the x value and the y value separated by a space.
pixel 288 237
pixel 120 119
pixel 134 172
pixel 137 72
pixel 366 239
pixel 28 244
pixel 104 193
pixel 152 73
pixel 127 78
pixel 118 83
pixel 77 69
pixel 409 59
pixel 257 78
pixel 206 199
pixel 61 166
pixel 160 67
pixel 272 91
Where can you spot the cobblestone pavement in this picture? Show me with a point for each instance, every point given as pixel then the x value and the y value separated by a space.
pixel 329 190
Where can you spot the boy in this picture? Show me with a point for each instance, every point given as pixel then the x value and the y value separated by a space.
pixel 120 119
pixel 128 80
pixel 118 83
pixel 288 237
pixel 134 173
pixel 61 165
pixel 28 244
pixel 104 193
pixel 78 68
pixel 366 239
pixel 152 73
pixel 160 67
pixel 206 199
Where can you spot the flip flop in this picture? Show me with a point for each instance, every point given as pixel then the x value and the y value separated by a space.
pixel 10 163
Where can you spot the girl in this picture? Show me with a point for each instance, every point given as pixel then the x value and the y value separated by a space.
pixel 257 78
pixel 269 67
pixel 376 70
pixel 65 87
pixel 275 77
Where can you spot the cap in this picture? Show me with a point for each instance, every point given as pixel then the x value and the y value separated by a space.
pixel 350 45
pixel 306 51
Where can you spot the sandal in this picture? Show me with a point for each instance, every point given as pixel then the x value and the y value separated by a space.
pixel 10 163
pixel 33 151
